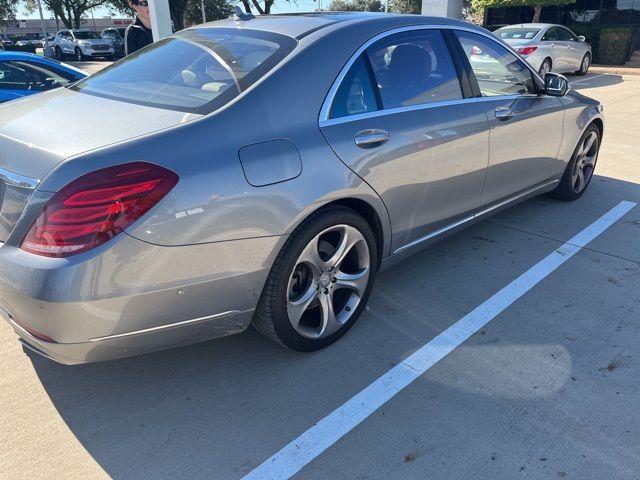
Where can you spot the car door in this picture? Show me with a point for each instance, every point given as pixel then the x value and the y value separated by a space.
pixel 551 42
pixel 526 126
pixel 400 118
pixel 68 42
pixel 63 42
pixel 575 50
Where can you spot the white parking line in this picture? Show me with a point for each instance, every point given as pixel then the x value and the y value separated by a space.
pixel 589 78
pixel 294 456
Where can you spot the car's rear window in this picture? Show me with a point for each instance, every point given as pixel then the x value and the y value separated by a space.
pixel 517 33
pixel 195 71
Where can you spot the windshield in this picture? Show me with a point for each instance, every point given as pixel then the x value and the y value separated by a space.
pixel 195 71
pixel 85 35
pixel 517 33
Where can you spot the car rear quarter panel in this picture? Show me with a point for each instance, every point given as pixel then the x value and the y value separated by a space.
pixel 213 201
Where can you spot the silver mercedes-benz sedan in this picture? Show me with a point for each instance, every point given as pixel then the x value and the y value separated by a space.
pixel 261 171
pixel 548 48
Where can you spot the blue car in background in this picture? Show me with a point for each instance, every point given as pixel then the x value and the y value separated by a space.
pixel 24 74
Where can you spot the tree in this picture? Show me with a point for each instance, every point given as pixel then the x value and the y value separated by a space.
pixel 7 10
pixel 356 6
pixel 71 12
pixel 536 4
pixel 213 9
pixel 405 6
pixel 177 10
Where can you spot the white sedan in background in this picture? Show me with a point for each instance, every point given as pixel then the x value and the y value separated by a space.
pixel 548 47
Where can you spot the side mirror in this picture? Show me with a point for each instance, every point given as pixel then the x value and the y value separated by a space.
pixel 556 85
pixel 582 39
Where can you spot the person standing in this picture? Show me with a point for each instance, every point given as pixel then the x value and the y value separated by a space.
pixel 138 34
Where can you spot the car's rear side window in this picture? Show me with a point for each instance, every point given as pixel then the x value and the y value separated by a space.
pixel 407 68
pixel 414 68
pixel 355 94
pixel 195 71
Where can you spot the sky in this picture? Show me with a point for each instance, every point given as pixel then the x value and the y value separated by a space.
pixel 281 6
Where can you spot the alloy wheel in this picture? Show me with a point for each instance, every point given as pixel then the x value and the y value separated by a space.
pixel 585 162
pixel 328 281
pixel 585 64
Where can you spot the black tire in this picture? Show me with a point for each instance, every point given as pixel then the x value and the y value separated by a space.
pixel 271 318
pixel 545 63
pixel 59 54
pixel 565 190
pixel 78 56
pixel 584 66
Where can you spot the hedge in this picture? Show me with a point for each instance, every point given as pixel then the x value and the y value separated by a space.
pixel 614 45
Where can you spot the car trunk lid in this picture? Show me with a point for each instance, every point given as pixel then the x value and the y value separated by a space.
pixel 39 132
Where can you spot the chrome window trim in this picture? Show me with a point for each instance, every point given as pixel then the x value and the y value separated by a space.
pixel 412 108
pixel 15 180
pixel 324 119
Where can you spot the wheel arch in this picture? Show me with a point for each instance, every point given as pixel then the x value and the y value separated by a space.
pixel 599 124
pixel 376 219
pixel 368 212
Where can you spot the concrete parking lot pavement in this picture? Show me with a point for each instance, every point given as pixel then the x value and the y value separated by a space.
pixel 549 388
pixel 90 66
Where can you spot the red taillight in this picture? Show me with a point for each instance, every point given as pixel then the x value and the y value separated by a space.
pixel 35 333
pixel 96 207
pixel 526 50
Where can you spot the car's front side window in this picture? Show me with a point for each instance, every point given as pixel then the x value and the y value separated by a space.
pixel 566 36
pixel 414 68
pixel 498 71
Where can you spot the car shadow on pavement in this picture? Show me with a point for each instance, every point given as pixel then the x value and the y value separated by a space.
pixel 219 408
pixel 595 81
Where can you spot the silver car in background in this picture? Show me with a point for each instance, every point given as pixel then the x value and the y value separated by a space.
pixel 81 44
pixel 548 48
pixel 261 171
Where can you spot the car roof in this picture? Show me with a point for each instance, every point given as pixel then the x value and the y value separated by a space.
pixel 302 24
pixel 21 56
pixel 532 25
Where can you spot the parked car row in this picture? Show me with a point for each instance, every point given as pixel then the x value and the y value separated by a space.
pixel 77 44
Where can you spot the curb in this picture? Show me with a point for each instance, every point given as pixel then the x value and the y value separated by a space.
pixel 614 69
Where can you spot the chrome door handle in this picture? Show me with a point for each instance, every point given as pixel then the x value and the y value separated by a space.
pixel 504 113
pixel 371 138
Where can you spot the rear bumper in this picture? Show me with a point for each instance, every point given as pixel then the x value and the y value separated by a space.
pixel 132 297
pixel 134 343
